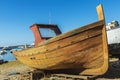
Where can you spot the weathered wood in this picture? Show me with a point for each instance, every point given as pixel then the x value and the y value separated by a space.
pixel 100 12
pixel 84 48
pixel 70 33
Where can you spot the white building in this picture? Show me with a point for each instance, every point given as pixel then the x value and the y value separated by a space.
pixel 113 32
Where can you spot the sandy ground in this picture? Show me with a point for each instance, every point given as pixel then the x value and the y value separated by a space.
pixel 11 67
pixel 113 72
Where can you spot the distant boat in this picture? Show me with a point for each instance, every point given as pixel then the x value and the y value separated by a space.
pixel 3 52
pixel 83 49
pixel 6 48
pixel 16 49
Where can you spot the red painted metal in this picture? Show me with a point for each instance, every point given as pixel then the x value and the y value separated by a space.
pixel 37 35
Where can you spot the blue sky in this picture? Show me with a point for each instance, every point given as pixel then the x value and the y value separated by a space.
pixel 17 15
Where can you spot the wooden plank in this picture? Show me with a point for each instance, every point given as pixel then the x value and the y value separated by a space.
pixel 75 47
pixel 73 39
pixel 100 12
pixel 73 32
pixel 55 60
pixel 76 77
pixel 62 43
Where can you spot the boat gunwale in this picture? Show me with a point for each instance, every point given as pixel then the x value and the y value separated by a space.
pixel 73 32
pixel 46 51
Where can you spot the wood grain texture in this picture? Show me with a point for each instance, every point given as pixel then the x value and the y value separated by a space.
pixel 84 48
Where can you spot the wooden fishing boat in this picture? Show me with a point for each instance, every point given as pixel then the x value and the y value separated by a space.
pixel 84 49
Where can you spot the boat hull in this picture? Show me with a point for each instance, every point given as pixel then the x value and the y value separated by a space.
pixel 84 49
